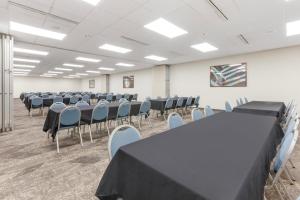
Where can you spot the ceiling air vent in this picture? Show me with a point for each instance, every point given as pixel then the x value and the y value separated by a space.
pixel 133 40
pixel 243 39
pixel 218 10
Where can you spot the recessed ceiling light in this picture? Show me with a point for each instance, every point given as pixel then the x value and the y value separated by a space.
pixel 30 51
pixel 293 28
pixel 125 65
pixel 204 47
pixel 157 58
pixel 165 28
pixel 88 59
pixel 22 70
pixel 26 60
pixel 63 69
pixel 92 2
pixel 114 48
pixel 36 31
pixel 73 65
pixel 82 74
pixel 54 72
pixel 106 69
pixel 25 66
pixel 93 72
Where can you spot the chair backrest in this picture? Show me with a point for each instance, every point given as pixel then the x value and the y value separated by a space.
pixel 58 99
pixel 57 106
pixel 208 111
pixel 246 100
pixel 100 112
pixel 179 102
pixel 238 103
pixel 169 103
pixel 145 107
pixel 122 100
pixel 197 100
pixel 241 101
pixel 36 101
pixel 32 96
pixel 148 98
pixel 109 97
pixel 81 104
pixel 228 107
pixel 285 151
pixel 127 96
pixel 174 120
pixel 73 100
pixel 118 97
pixel 45 96
pixel 70 116
pixel 124 109
pixel 196 114
pixel 158 97
pixel 134 97
pixel 189 101
pixel 103 101
pixel 122 135
pixel 86 98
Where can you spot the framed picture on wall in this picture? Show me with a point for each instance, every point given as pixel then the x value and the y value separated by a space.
pixel 229 75
pixel 128 81
pixel 91 83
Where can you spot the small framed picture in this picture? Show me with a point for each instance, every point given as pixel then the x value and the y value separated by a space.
pixel 91 83
pixel 128 81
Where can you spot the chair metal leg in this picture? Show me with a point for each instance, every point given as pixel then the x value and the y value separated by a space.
pixel 149 121
pixel 107 126
pixel 90 129
pixel 57 144
pixel 291 162
pixel 290 175
pixel 79 130
pixel 139 121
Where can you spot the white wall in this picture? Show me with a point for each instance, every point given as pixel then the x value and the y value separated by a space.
pixel 36 84
pixel 272 76
pixel 99 84
pixel 142 83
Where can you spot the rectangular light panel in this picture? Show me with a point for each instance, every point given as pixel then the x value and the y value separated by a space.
pixel 204 47
pixel 293 28
pixel 30 51
pixel 114 48
pixel 156 58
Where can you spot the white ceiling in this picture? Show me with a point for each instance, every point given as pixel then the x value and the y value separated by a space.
pixel 87 27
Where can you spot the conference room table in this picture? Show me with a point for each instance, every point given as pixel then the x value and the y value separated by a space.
pixel 275 109
pixel 159 104
pixel 47 102
pixel 52 119
pixel 114 97
pixel 226 156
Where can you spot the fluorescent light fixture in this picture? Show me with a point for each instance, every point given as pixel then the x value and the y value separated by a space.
pixel 73 65
pixel 15 26
pixel 293 28
pixel 165 28
pixel 114 48
pixel 54 72
pixel 26 60
pixel 68 77
pixel 93 72
pixel 21 70
pixel 92 2
pixel 125 65
pixel 156 58
pixel 74 75
pixel 25 66
pixel 204 47
pixel 106 69
pixel 20 74
pixel 47 74
pixel 30 51
pixel 63 69
pixel 88 59
pixel 82 74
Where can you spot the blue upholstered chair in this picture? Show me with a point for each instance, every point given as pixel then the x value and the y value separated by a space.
pixel 57 107
pixel 58 99
pixel 86 98
pixel 238 103
pixel 179 105
pixel 103 101
pixel 118 97
pixel 127 97
pixel 121 136
pixel 196 114
pixel 73 100
pixel 45 96
pixel 228 107
pixel 36 103
pixel 69 118
pixel 81 104
pixel 122 100
pixel 208 111
pixel 241 101
pixel 144 112
pixel 135 97
pixel 197 101
pixel 168 106
pixel 174 120
pixel 123 112
pixel 148 98
pixel 188 103
pixel 109 97
pixel 246 100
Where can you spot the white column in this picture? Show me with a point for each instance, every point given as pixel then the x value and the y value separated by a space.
pixel 6 80
pixel 161 81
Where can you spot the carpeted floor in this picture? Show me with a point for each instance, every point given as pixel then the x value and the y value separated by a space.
pixel 30 168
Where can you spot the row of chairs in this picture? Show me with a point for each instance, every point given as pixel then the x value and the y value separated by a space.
pixel 109 97
pixel 70 117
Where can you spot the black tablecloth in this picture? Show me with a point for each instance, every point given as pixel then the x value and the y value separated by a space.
pixel 275 109
pixel 51 122
pixel 223 157
pixel 159 104
pixel 47 102
pixel 114 97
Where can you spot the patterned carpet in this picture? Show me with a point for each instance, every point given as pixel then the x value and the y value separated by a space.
pixel 30 168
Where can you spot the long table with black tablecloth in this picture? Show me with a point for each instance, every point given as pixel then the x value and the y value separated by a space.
pixel 51 122
pixel 114 97
pixel 224 156
pixel 47 102
pixel 159 104
pixel 275 109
